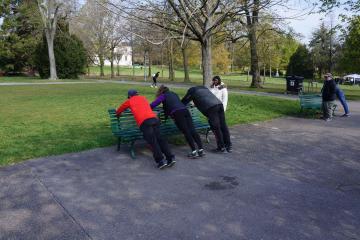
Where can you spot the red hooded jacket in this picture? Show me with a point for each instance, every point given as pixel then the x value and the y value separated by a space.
pixel 140 108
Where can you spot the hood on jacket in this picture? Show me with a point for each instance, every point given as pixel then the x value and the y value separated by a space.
pixel 220 86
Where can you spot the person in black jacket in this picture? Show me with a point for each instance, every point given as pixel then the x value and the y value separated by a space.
pixel 209 105
pixel 174 108
pixel 328 97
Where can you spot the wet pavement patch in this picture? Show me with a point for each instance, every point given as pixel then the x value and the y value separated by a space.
pixel 224 183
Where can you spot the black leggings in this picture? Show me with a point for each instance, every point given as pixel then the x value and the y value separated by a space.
pixel 218 125
pixel 151 133
pixel 183 121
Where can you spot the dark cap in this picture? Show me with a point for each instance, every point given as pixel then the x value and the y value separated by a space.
pixel 132 92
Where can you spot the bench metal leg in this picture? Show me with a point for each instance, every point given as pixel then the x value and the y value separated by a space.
pixel 118 144
pixel 132 150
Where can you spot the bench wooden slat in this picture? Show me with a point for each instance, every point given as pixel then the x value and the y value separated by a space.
pixel 126 130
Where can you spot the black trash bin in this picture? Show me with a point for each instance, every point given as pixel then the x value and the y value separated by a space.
pixel 294 84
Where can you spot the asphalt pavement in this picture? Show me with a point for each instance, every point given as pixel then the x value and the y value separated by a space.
pixel 289 178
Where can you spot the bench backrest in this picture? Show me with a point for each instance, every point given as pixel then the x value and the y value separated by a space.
pixel 126 127
pixel 310 100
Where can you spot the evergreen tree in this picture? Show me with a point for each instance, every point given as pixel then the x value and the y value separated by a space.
pixel 19 35
pixel 69 52
pixel 301 63
pixel 320 45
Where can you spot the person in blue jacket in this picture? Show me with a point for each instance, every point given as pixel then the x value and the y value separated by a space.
pixel 341 96
pixel 174 108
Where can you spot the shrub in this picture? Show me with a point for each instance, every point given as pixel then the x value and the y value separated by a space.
pixel 70 56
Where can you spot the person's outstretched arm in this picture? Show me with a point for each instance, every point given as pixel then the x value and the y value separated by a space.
pixel 224 98
pixel 157 101
pixel 187 98
pixel 122 108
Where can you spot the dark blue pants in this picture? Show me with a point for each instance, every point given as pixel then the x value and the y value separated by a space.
pixel 342 99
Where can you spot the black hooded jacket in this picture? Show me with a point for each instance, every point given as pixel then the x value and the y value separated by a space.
pixel 202 98
pixel 329 90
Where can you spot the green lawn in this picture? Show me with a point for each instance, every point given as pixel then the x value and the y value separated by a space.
pixel 234 80
pixel 48 120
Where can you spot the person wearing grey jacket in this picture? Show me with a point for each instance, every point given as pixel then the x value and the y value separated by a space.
pixel 209 105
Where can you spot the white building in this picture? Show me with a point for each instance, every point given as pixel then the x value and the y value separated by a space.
pixel 123 57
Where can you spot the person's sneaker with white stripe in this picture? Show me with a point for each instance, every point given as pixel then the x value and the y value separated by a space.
pixel 193 154
pixel 161 165
pixel 201 152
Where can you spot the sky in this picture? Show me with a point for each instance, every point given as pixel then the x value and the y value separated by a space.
pixel 304 19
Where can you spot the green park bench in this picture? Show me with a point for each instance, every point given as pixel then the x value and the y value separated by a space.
pixel 126 130
pixel 311 101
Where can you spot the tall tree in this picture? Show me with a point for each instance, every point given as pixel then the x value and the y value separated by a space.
pixel 196 20
pixel 322 49
pixel 99 29
pixel 49 10
pixel 350 59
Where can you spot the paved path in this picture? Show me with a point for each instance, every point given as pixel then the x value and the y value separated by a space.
pixel 172 85
pixel 289 179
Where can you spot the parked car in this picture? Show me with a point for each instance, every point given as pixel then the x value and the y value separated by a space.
pixel 352 79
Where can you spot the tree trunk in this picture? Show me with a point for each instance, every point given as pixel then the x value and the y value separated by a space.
pixel 150 63
pixel 255 70
pixel 185 63
pixel 162 61
pixel 117 69
pixel 112 63
pixel 206 61
pixel 50 43
pixel 264 74
pixel 101 61
pixel 232 56
pixel 171 62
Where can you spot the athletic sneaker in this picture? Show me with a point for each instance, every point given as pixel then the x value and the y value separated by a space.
pixel 161 165
pixel 171 162
pixel 193 154
pixel 346 115
pixel 229 149
pixel 328 119
pixel 201 152
pixel 219 150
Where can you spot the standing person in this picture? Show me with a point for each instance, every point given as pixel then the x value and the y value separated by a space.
pixel 328 97
pixel 341 96
pixel 209 105
pixel 149 125
pixel 219 89
pixel 154 78
pixel 174 108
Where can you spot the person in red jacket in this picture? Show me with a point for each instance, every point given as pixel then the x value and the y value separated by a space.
pixel 149 125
